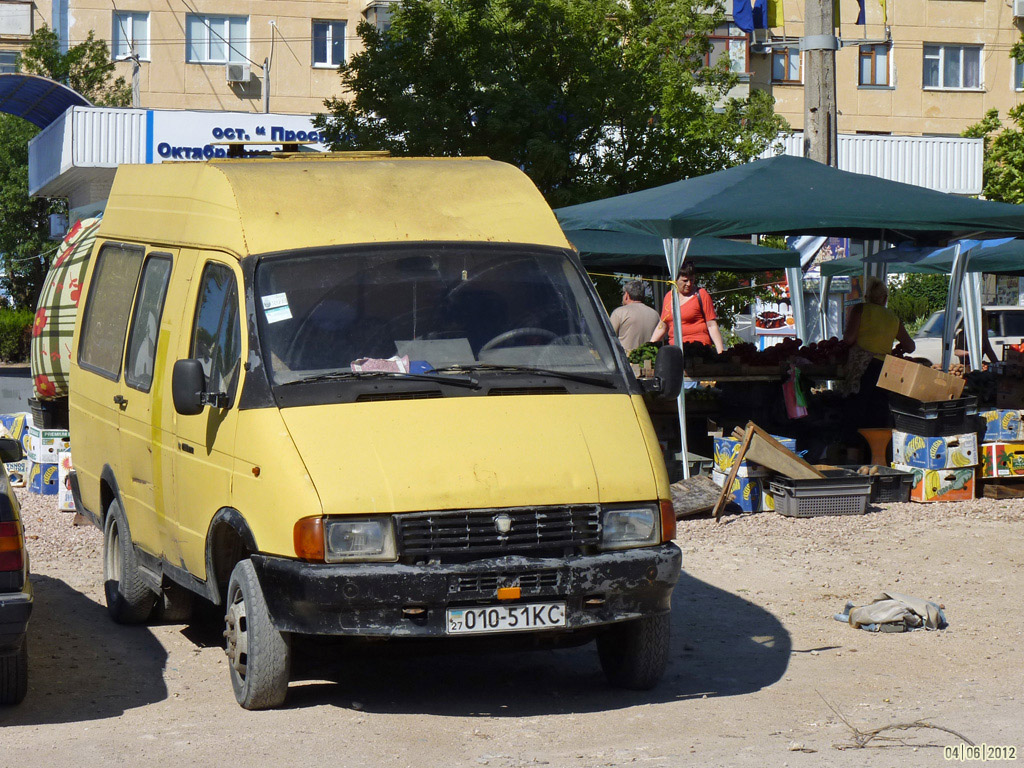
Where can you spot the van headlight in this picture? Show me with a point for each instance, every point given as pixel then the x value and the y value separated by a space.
pixel 628 527
pixel 360 539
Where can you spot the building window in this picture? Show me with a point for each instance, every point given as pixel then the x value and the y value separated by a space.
pixel 1018 76
pixel 786 65
pixel 730 42
pixel 874 65
pixel 952 66
pixel 9 62
pixel 216 39
pixel 131 35
pixel 328 43
pixel 379 14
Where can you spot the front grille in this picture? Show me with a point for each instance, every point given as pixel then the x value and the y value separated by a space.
pixel 475 531
pixel 530 583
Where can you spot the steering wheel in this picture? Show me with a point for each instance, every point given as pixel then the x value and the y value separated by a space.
pixel 515 333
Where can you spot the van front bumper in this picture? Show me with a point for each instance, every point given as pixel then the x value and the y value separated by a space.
pixel 383 599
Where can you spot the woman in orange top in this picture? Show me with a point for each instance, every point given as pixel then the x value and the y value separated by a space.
pixel 698 321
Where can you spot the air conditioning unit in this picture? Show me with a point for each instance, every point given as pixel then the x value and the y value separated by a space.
pixel 1018 9
pixel 236 72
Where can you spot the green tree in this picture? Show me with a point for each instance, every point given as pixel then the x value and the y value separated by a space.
pixel 589 97
pixel 918 295
pixel 24 226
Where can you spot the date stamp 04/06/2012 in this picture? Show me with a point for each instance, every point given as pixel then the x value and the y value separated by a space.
pixel 969 753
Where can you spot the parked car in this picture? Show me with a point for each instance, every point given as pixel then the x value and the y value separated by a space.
pixel 15 588
pixel 1005 326
pixel 366 397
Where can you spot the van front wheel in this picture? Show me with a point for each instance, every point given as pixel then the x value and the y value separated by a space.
pixel 259 656
pixel 129 600
pixel 634 653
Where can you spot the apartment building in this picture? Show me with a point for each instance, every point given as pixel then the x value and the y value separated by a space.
pixel 918 67
pixel 206 55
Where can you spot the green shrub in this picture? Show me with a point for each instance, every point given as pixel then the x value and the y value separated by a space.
pixel 15 334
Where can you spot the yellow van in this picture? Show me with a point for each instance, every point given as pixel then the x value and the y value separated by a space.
pixel 369 397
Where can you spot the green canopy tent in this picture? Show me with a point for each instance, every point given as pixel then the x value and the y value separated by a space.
pixel 644 254
pixel 791 195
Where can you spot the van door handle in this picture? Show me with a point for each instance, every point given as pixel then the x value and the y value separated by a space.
pixel 186 448
pixel 120 401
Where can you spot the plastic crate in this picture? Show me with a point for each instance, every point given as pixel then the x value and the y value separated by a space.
pixel 888 485
pixel 840 492
pixel 934 419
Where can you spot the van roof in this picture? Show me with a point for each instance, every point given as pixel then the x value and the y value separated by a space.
pixel 273 204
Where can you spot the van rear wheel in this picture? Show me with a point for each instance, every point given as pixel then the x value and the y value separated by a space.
pixel 634 653
pixel 259 656
pixel 129 600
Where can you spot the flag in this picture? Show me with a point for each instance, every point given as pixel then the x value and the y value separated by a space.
pixel 860 13
pixel 743 15
pixel 885 14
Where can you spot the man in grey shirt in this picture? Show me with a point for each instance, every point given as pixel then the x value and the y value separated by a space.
pixel 634 321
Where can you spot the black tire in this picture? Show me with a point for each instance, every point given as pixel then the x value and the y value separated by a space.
pixel 174 605
pixel 129 600
pixel 634 653
pixel 259 656
pixel 14 675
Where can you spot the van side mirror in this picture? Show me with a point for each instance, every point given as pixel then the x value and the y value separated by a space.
pixel 188 385
pixel 10 450
pixel 668 369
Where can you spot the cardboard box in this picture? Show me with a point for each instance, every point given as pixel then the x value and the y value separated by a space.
pixel 952 452
pixel 65 500
pixel 17 472
pixel 940 484
pixel 917 381
pixel 1002 460
pixel 43 479
pixel 43 445
pixel 767 500
pixel 15 425
pixel 747 492
pixel 1002 425
pixel 725 451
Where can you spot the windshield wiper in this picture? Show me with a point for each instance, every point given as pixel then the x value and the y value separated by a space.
pixel 496 368
pixel 469 382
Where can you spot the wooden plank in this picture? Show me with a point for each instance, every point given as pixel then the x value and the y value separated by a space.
pixel 768 452
pixel 1003 489
pixel 694 496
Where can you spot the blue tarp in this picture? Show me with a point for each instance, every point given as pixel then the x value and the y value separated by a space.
pixel 37 99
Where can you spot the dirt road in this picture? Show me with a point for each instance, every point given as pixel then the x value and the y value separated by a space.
pixel 760 673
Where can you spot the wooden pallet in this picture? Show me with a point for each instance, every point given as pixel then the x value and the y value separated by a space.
pixel 1003 488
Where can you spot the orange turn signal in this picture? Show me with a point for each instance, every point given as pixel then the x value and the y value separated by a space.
pixel 308 536
pixel 509 593
pixel 668 520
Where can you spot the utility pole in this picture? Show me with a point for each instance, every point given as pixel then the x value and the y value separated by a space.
pixel 819 45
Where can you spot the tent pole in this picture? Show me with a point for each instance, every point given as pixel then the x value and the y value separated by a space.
pixel 956 276
pixel 970 300
pixel 675 255
pixel 826 283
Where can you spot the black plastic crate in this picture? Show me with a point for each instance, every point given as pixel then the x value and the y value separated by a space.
pixel 939 418
pixel 888 485
pixel 840 492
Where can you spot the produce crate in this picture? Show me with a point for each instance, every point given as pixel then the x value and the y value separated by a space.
pixel 888 485
pixel 936 418
pixel 840 492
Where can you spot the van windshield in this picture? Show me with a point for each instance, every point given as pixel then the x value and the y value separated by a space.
pixel 423 308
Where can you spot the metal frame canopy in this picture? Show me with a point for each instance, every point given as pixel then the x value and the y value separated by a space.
pixel 37 99
pixel 788 195
pixel 643 253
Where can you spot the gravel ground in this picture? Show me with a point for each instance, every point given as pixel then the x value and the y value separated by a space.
pixel 760 674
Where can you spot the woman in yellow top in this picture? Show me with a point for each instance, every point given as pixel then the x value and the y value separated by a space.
pixel 871 330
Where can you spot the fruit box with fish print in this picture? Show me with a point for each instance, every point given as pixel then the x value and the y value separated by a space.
pixel 940 484
pixel 950 452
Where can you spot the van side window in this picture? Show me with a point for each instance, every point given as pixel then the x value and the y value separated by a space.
pixel 216 335
pixel 138 367
pixel 106 312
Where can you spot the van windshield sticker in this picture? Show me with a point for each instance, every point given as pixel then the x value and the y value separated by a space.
pixel 277 314
pixel 275 300
pixel 275 308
